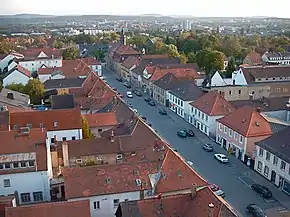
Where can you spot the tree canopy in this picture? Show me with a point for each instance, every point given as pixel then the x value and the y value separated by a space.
pixel 71 53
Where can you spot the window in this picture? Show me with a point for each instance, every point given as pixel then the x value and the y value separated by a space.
pixel 230 132
pixel 230 92
pixel 16 165
pixel 100 130
pixel 116 202
pixel 240 91
pixel 25 197
pixel 241 139
pixel 225 129
pixel 267 156
pixel 206 118
pixel 63 138
pixel 236 135
pixel 126 200
pixel 220 126
pixel 52 140
pixel 73 138
pixel 55 124
pixel 22 164
pixel 96 205
pixel 181 103
pixel 198 113
pixel 6 183
pixel 261 152
pixel 31 163
pixel 275 160
pixel 119 156
pixel 283 165
pixel 41 125
pixel 15 127
pixel 202 116
pixel 259 166
pixel 266 171
pixel 1 166
pixel 7 166
pixel 37 196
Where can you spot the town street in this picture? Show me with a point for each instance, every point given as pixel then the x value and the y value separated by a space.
pixel 234 179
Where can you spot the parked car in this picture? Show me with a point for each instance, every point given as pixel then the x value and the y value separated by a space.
pixel 151 103
pixel 221 158
pixel 114 89
pixel 126 84
pixel 262 190
pixel 182 134
pixel 190 133
pixel 119 79
pixel 220 193
pixel 129 94
pixel 162 112
pixel 147 99
pixel 120 95
pixel 137 92
pixel 207 147
pixel 256 211
pixel 189 163
pixel 214 187
pixel 144 118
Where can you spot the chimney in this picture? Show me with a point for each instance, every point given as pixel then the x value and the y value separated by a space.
pixel 141 192
pixel 210 210
pixel 112 137
pixel 10 95
pixel 65 154
pixel 193 190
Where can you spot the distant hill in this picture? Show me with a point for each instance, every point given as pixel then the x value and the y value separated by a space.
pixel 25 16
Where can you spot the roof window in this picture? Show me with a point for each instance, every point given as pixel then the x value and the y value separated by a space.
pixel 138 182
pixel 108 180
pixel 55 124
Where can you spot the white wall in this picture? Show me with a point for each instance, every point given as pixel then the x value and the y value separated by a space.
pixel 12 65
pixel 27 183
pixel 4 62
pixel 107 208
pixel 239 78
pixel 77 133
pixel 35 65
pixel 217 80
pixel 15 77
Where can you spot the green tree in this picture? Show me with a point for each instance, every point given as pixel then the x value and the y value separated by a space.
pixel 35 89
pixel 71 53
pixel 158 48
pixel 99 55
pixel 183 58
pixel 191 46
pixel 200 58
pixel 16 87
pixel 191 57
pixel 230 68
pixel 214 61
pixel 172 51
pixel 58 44
pixel 87 133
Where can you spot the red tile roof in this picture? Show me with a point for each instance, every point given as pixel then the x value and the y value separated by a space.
pixel 106 179
pixel 66 119
pixel 125 50
pixel 17 142
pixel 22 70
pixel 247 121
pixel 155 56
pixel 177 175
pixel 33 53
pixel 253 58
pixel 57 209
pixel 131 61
pixel 101 119
pixel 213 104
pixel 178 205
pixel 90 61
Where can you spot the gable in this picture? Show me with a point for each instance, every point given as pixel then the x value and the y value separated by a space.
pixel 217 80
pixel 239 77
pixel 42 55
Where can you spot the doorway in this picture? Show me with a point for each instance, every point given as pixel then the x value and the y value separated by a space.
pixel 273 176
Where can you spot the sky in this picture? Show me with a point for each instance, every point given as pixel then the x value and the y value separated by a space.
pixel 198 8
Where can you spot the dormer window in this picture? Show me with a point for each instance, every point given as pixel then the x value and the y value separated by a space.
pixel 55 124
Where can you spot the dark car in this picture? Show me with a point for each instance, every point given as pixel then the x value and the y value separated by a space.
pixel 119 79
pixel 207 147
pixel 151 103
pixel 162 112
pixel 255 211
pixel 126 84
pixel 190 133
pixel 182 134
pixel 262 190
pixel 144 118
pixel 137 92
pixel 147 99
pixel 114 89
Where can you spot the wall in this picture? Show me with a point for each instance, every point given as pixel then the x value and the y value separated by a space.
pixel 36 64
pixel 97 133
pixel 107 208
pixel 233 92
pixel 5 61
pixel 99 159
pixel 77 133
pixel 46 77
pixel 27 183
pixel 251 146
pixel 15 77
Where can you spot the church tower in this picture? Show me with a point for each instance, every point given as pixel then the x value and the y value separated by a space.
pixel 123 38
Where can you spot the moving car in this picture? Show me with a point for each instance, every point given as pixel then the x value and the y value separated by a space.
pixel 162 112
pixel 119 79
pixel 190 133
pixel 151 103
pixel 126 84
pixel 207 147
pixel 255 211
pixel 129 94
pixel 221 158
pixel 137 92
pixel 182 134
pixel 147 99
pixel 262 190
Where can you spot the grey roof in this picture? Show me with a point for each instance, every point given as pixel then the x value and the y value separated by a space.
pixel 167 82
pixel 14 99
pixel 63 83
pixel 277 54
pixel 62 101
pixel 187 91
pixel 21 97
pixel 278 144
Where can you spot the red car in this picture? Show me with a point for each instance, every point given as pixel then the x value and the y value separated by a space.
pixel 214 187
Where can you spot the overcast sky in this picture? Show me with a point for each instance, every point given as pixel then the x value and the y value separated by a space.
pixel 202 8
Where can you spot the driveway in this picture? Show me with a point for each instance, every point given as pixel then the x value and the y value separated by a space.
pixel 234 178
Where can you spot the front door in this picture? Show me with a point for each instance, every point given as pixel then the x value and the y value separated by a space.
pixel 273 176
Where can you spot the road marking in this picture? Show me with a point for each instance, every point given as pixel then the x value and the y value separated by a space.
pixel 244 182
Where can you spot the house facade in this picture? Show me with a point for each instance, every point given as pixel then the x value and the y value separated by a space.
pixel 25 170
pixel 17 75
pixel 238 132
pixel 272 159
pixel 206 110
pixel 275 57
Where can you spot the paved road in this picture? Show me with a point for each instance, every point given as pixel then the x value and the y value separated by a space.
pixel 234 178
